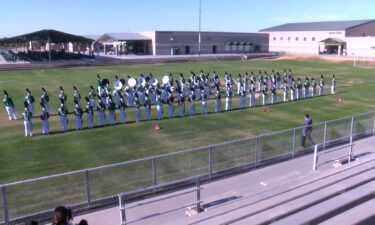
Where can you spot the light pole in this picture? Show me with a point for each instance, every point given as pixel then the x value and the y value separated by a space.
pixel 199 31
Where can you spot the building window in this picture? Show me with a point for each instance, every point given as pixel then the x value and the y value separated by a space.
pixel 281 38
pixel 288 38
pixel 313 38
pixel 296 38
pixel 274 38
pixel 304 39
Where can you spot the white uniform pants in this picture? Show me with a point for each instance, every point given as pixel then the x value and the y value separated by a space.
pixel 228 104
pixel 242 102
pixel 78 122
pixel 264 99
pixel 137 114
pixel 285 96
pixel 252 100
pixel 204 107
pixel 28 128
pixel 11 112
pixel 63 122
pixel 159 112
pixel 45 126
pixel 333 89
pixel 321 90
pixel 217 106
pixel 90 119
pixel 192 109
pixel 182 110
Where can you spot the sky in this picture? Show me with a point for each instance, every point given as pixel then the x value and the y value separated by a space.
pixel 84 17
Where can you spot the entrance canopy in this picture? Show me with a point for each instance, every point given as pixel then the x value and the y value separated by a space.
pixel 333 41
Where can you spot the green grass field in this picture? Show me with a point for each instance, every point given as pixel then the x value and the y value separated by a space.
pixel 23 158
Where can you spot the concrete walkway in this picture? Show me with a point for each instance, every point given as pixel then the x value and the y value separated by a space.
pixel 226 191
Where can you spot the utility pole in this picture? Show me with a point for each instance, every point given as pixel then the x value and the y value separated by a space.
pixel 199 32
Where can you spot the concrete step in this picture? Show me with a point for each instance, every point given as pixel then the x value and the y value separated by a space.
pixel 331 207
pixel 361 214
pixel 328 177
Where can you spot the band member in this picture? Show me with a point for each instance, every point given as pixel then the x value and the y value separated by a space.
pixel 101 112
pixel 44 99
pixel 181 104
pixel 273 94
pixel 76 96
pixel 285 90
pixel 137 113
pixel 292 91
pixel 228 100
pixel 264 95
pixel 203 103
pixel 239 84
pixel 44 116
pixel 111 111
pixel 321 85
pixel 170 106
pixel 92 96
pixel 29 101
pixel 89 109
pixel 26 116
pixel 191 99
pixel 63 114
pixel 313 87
pixel 217 100
pixel 306 86
pixel 147 109
pixel 62 97
pixel 159 108
pixel 333 85
pixel 299 88
pixel 78 117
pixel 252 96
pixel 122 111
pixel 9 106
pixel 242 97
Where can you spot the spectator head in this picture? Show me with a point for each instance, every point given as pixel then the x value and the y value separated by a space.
pixel 69 215
pixel 60 216
pixel 307 115
pixel 83 222
pixel 32 222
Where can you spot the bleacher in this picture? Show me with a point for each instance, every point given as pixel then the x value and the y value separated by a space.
pixel 336 196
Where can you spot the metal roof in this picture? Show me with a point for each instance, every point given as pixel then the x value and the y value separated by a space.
pixel 126 36
pixel 317 26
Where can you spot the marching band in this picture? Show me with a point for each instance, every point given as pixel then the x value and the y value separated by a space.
pixel 145 91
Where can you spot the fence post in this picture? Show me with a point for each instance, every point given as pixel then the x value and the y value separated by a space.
pixel 5 205
pixel 256 150
pixel 87 187
pixel 153 165
pixel 198 186
pixel 325 135
pixel 122 209
pixel 351 141
pixel 209 162
pixel 294 142
pixel 315 160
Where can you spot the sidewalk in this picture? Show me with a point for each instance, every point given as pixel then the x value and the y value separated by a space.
pixel 225 191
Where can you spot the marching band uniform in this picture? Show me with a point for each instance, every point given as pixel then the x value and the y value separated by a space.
pixel 92 96
pixel 111 112
pixel 242 98
pixel 89 113
pixel 278 78
pixel 137 114
pixel 260 81
pixel 101 113
pixel 333 85
pixel 147 109
pixel 29 101
pixel 321 85
pixel 122 111
pixel 252 96
pixel 217 101
pixel 76 96
pixel 246 81
pixel 264 95
pixel 26 116
pixel 9 106
pixel 313 87
pixel 78 117
pixel 285 88
pixel 204 104
pixel 44 99
pixel 306 88
pixel 62 97
pixel 63 114
pixel 228 100
pixel 292 91
pixel 273 95
pixel 191 99
pixel 170 107
pixel 44 116
pixel 299 89
pixel 239 83
pixel 159 108
pixel 181 103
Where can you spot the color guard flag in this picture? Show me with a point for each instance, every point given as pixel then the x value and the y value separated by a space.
pixel 155 127
pixel 338 100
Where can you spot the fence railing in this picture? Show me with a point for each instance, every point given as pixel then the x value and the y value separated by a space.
pixel 36 198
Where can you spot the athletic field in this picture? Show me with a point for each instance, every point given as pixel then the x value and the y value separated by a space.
pixel 23 158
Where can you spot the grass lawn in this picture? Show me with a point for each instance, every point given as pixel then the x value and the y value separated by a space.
pixel 23 158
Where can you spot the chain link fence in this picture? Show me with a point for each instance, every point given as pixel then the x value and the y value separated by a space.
pixel 36 198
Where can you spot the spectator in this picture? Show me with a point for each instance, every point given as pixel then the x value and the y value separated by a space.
pixel 69 216
pixel 307 130
pixel 60 216
pixel 83 222
pixel 32 222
